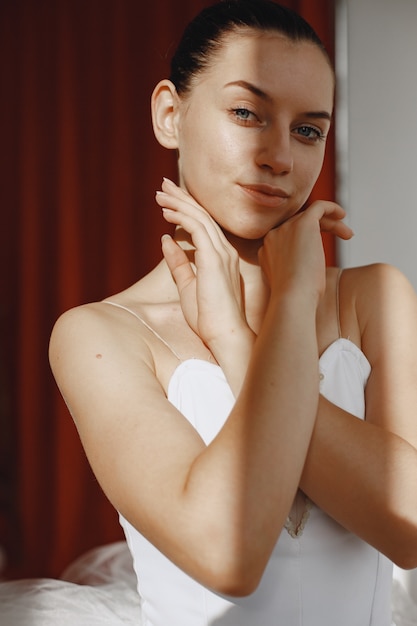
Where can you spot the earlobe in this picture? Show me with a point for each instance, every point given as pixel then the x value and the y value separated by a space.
pixel 164 106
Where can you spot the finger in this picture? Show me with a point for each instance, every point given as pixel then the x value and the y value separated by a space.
pixel 190 208
pixel 337 228
pixel 177 203
pixel 205 233
pixel 207 254
pixel 178 262
pixel 181 194
pixel 322 208
pixel 330 215
pixel 176 198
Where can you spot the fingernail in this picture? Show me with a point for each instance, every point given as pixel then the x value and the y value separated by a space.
pixel 167 180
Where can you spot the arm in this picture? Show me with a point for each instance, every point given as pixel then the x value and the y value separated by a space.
pixel 216 511
pixel 364 474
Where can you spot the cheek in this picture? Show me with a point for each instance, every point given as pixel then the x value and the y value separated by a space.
pixel 309 170
pixel 206 153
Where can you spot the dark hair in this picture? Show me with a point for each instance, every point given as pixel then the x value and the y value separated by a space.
pixel 204 35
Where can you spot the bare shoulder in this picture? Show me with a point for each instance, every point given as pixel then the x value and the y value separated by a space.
pixel 76 323
pixel 385 304
pixel 375 285
pixel 95 331
pixel 375 275
pixel 101 363
pixel 366 277
pixel 93 320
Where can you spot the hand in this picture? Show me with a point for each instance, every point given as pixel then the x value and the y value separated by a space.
pixel 210 288
pixel 293 255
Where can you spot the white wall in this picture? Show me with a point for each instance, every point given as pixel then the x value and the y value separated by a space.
pixel 380 189
pixel 377 137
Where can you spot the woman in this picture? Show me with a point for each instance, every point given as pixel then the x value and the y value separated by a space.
pixel 249 412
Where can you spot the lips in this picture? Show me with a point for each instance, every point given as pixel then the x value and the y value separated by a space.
pixel 266 195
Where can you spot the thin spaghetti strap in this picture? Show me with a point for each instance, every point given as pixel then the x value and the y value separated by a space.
pixel 157 335
pixel 339 328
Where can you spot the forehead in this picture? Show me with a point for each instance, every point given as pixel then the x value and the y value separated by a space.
pixel 273 62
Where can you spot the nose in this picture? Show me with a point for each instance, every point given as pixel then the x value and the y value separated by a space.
pixel 275 153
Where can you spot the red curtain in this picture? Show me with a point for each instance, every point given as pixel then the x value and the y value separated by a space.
pixel 79 168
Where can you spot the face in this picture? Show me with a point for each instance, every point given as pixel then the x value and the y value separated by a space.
pixel 252 132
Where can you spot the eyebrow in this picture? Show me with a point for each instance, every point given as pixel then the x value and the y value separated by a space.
pixel 249 87
pixel 325 115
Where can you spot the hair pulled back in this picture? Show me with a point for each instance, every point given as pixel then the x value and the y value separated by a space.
pixel 204 35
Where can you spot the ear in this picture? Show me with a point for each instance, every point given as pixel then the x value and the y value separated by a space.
pixel 164 107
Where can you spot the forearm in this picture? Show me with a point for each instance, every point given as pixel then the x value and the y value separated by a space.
pixel 252 469
pixel 364 477
pixel 279 400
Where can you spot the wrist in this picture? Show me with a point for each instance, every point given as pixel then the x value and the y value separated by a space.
pixel 296 298
pixel 233 343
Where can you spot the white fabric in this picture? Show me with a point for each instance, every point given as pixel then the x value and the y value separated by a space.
pixel 326 576
pixel 404 609
pixel 408 580
pixel 99 589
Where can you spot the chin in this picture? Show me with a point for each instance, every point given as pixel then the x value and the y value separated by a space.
pixel 254 236
pixel 253 231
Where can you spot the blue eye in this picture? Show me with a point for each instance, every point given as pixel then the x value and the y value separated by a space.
pixel 243 114
pixel 311 133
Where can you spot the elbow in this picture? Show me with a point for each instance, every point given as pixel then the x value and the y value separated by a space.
pixel 231 557
pixel 404 556
pixel 230 573
pixel 402 549
pixel 234 583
